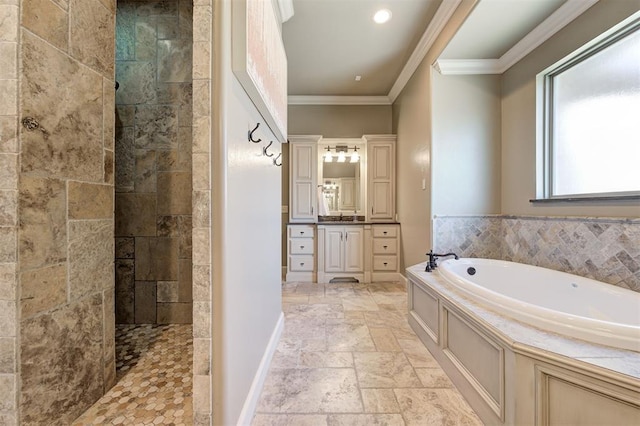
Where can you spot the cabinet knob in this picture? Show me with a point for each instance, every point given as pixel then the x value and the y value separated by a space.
pixel 385 263
pixel 301 263
pixel 302 232
pixel 384 232
pixel 385 247
pixel 301 247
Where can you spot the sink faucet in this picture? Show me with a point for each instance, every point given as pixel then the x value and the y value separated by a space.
pixel 432 264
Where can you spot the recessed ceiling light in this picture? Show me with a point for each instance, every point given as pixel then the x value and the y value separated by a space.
pixel 358 77
pixel 382 16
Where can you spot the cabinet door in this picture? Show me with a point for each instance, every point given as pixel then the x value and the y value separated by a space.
pixel 381 200
pixel 334 249
pixel 381 160
pixel 303 169
pixel 354 249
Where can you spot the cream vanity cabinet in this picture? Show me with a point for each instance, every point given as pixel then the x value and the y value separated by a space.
pixel 301 250
pixel 344 249
pixel 363 187
pixel 381 177
pixel 385 250
pixel 303 172
pixel 342 252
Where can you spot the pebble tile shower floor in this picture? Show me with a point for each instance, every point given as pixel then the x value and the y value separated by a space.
pixel 154 385
pixel 347 356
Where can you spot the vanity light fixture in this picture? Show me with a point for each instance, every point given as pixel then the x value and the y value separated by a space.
pixel 382 16
pixel 355 157
pixel 327 156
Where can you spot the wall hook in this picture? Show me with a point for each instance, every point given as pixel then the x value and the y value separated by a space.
pixel 264 150
pixel 275 160
pixel 251 139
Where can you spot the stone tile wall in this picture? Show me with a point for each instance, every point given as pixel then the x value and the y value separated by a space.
pixel 153 179
pixel 64 207
pixel 9 149
pixel 202 284
pixel 604 249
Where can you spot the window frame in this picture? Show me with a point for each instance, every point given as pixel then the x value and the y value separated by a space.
pixel 545 110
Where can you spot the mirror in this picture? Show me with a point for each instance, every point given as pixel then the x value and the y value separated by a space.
pixel 341 180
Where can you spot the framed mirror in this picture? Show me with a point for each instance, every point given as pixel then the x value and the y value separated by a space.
pixel 341 177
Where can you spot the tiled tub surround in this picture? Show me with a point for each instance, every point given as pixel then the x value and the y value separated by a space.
pixel 63 208
pixel 604 249
pixel 153 220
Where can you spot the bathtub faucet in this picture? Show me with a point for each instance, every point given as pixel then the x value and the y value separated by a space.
pixel 433 264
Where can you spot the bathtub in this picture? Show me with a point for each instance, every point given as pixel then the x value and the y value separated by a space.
pixel 555 301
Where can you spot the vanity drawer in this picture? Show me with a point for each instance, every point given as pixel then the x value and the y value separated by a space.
pixel 301 231
pixel 384 231
pixel 384 246
pixel 301 263
pixel 301 246
pixel 385 263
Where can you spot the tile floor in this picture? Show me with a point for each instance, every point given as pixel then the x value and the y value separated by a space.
pixel 154 385
pixel 347 356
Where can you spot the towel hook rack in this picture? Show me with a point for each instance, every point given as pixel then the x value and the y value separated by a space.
pixel 275 160
pixel 251 139
pixel 264 150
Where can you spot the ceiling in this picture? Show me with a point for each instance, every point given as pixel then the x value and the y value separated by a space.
pixel 329 42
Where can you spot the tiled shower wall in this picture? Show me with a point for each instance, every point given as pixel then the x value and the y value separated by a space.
pixel 65 207
pixel 153 221
pixel 605 249
pixel 202 284
pixel 9 148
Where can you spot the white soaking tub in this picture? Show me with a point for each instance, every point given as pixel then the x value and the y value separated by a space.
pixel 556 301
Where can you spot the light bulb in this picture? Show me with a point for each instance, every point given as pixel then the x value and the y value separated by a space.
pixel 327 157
pixel 382 16
pixel 342 157
pixel 355 157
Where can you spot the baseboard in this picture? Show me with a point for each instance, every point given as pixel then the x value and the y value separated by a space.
pixel 249 407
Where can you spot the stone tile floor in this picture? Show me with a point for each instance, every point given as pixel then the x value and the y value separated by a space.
pixel 347 356
pixel 154 379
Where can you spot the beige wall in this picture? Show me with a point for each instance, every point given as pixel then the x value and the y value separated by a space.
pixel 519 117
pixel 466 144
pixel 412 122
pixel 339 121
pixel 245 238
pixel 65 208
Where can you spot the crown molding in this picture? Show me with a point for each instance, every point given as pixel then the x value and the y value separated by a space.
pixel 468 66
pixel 285 9
pixel 338 100
pixel 543 32
pixel 442 16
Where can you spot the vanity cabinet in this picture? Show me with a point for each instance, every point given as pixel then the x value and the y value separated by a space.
pixel 385 248
pixel 303 171
pixel 344 249
pixel 301 250
pixel 381 174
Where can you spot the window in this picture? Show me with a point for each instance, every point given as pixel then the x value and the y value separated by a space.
pixel 591 119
